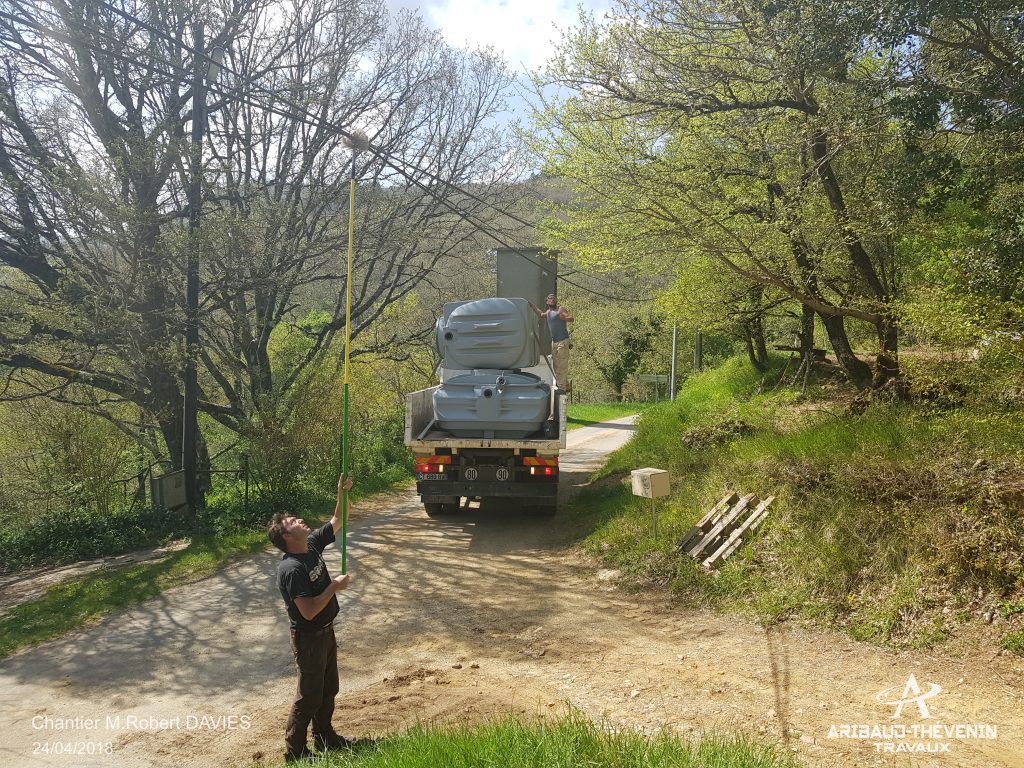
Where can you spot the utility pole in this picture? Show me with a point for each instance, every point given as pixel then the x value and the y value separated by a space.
pixel 672 376
pixel 190 427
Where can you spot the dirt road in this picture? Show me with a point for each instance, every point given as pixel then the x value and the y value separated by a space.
pixel 483 614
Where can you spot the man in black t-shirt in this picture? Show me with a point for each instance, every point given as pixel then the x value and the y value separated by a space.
pixel 309 593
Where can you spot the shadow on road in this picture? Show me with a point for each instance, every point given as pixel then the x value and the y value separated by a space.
pixel 483 571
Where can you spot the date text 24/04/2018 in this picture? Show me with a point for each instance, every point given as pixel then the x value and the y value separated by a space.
pixel 72 747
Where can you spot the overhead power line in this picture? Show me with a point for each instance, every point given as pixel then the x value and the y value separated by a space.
pixel 297 113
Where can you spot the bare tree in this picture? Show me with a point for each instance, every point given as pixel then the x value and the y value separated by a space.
pixel 94 106
pixel 94 109
pixel 285 185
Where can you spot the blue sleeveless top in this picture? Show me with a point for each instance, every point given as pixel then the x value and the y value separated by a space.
pixel 556 325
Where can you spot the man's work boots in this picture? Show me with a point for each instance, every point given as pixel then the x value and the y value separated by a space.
pixel 325 741
pixel 294 757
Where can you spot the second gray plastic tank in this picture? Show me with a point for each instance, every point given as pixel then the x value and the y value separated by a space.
pixel 494 333
pixel 492 404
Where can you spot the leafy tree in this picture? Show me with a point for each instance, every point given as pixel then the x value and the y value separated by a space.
pixel 635 341
pixel 708 297
pixel 701 128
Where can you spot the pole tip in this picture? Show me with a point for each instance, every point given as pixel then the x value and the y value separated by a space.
pixel 357 141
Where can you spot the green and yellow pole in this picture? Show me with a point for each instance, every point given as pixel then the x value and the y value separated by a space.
pixel 348 349
pixel 356 143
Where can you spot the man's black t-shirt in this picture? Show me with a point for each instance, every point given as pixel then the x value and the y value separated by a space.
pixel 306 575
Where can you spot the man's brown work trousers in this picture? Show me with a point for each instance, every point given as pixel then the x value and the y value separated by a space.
pixel 316 656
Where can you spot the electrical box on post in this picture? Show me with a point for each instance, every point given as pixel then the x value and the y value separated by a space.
pixel 650 483
pixel 168 491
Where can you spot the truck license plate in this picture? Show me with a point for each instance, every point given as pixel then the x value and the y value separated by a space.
pixel 430 475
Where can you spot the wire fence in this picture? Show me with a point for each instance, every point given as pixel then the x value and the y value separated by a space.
pixel 28 492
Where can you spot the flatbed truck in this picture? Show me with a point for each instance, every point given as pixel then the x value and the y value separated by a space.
pixel 450 469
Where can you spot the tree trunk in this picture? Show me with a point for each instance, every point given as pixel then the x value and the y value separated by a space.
pixel 164 400
pixel 756 352
pixel 170 429
pixel 753 330
pixel 887 364
pixel 260 371
pixel 858 371
pixel 806 337
pixel 203 476
pixel 760 346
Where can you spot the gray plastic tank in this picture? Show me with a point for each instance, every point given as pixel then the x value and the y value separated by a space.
pixel 492 404
pixel 488 333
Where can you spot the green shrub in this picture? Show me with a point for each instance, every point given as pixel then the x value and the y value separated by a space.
pixel 379 456
pixel 80 534
pixel 228 511
pixel 1014 642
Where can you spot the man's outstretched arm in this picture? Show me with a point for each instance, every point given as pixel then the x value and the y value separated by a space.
pixel 344 486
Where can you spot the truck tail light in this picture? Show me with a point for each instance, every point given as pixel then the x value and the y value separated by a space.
pixel 542 466
pixel 432 463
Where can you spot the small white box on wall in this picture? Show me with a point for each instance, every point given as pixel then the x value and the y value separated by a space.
pixel 650 483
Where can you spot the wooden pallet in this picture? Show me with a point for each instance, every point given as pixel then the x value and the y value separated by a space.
pixel 724 528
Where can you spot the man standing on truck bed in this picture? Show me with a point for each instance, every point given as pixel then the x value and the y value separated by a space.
pixel 557 318
pixel 309 593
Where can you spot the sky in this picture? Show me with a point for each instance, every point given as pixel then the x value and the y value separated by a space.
pixel 523 30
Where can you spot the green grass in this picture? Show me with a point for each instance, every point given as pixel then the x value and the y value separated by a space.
pixel 879 522
pixel 585 414
pixel 568 743
pixel 70 605
pixel 1014 642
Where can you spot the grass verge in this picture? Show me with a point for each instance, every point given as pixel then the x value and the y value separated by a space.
pixel 585 414
pixel 1014 642
pixel 567 743
pixel 897 522
pixel 70 605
